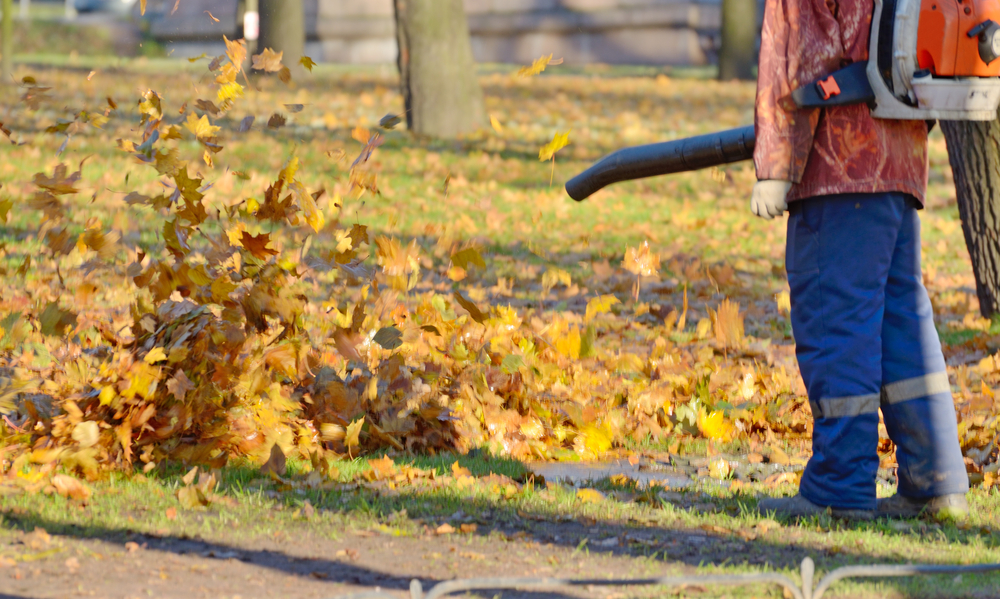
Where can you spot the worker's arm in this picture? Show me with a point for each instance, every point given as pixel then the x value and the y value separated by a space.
pixel 800 42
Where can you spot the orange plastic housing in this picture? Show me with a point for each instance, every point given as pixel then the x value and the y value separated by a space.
pixel 943 44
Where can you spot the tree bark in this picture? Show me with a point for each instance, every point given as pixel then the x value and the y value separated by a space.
pixel 437 73
pixel 283 29
pixel 7 41
pixel 974 153
pixel 737 55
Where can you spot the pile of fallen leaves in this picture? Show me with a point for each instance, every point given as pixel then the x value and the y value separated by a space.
pixel 274 324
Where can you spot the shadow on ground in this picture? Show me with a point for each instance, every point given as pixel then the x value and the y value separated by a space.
pixel 676 547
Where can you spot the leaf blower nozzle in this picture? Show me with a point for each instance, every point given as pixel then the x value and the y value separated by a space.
pixel 664 158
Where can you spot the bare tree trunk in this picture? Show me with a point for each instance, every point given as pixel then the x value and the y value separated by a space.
pixel 737 56
pixel 7 41
pixel 283 29
pixel 974 153
pixel 437 73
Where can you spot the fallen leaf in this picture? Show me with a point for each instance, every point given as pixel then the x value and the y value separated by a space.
pixel 275 464
pixel 69 487
pixel 36 539
pixel 590 496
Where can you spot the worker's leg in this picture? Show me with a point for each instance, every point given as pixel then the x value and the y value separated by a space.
pixel 916 403
pixel 839 250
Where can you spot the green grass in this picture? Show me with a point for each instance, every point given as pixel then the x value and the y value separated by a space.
pixel 504 204
pixel 252 509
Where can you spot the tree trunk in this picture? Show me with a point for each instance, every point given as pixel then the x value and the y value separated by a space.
pixel 7 41
pixel 974 153
pixel 437 73
pixel 283 29
pixel 737 56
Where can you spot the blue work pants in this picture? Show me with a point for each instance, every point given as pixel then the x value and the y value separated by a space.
pixel 865 338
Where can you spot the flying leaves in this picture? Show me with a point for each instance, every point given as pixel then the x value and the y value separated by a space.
pixel 538 66
pixel 548 151
pixel 268 61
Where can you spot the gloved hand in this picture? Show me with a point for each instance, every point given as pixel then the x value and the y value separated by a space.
pixel 768 198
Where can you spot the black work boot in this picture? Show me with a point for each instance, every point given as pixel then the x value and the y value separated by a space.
pixel 798 506
pixel 944 507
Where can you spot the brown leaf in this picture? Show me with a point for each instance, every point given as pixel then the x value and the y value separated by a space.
pixel 276 121
pixel 276 464
pixel 474 311
pixel 207 106
pixel 59 183
pixel 268 60
pixel 257 245
pixel 179 385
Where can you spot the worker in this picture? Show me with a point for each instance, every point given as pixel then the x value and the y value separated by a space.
pixel 861 317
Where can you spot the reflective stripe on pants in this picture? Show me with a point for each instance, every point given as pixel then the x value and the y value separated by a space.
pixel 865 338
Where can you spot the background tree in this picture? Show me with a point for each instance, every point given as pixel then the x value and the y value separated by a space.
pixel 738 53
pixel 974 153
pixel 437 73
pixel 7 42
pixel 283 29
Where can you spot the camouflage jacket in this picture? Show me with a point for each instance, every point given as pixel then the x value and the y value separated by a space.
pixel 840 149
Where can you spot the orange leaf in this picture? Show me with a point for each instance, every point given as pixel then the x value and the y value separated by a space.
pixel 257 245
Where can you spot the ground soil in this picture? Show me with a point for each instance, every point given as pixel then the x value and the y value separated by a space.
pixel 309 563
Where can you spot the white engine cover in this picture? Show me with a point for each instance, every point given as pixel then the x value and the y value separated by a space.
pixel 950 99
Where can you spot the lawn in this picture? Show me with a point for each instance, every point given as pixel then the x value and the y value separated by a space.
pixel 415 353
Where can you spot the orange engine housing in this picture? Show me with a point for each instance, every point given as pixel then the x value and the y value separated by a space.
pixel 943 44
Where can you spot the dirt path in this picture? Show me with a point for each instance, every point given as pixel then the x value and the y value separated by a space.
pixel 309 563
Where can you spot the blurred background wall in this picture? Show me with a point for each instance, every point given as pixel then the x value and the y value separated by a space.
pixel 653 32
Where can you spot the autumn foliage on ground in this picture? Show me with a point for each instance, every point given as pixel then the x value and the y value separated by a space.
pixel 190 277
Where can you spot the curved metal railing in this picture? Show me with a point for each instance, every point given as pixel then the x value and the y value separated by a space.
pixel 805 591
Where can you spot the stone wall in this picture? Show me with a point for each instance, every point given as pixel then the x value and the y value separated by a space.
pixel 654 32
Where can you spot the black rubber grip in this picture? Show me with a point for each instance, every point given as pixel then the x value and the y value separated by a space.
pixel 664 158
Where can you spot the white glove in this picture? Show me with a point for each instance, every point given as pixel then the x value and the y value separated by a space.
pixel 768 198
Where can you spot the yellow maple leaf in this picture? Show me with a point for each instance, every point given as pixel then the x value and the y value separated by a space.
pixel 307 63
pixel 538 66
pixel 230 91
pixel 600 305
pixel 314 216
pixel 459 471
pixel 353 432
pixel 548 151
pixel 714 425
pixel 641 261
pixel 495 123
pixel 236 50
pixel 157 354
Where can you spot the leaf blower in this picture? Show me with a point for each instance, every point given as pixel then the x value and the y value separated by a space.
pixel 928 60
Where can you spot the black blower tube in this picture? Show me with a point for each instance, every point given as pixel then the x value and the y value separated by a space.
pixel 689 154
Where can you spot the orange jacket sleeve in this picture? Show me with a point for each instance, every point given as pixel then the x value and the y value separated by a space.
pixel 801 41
